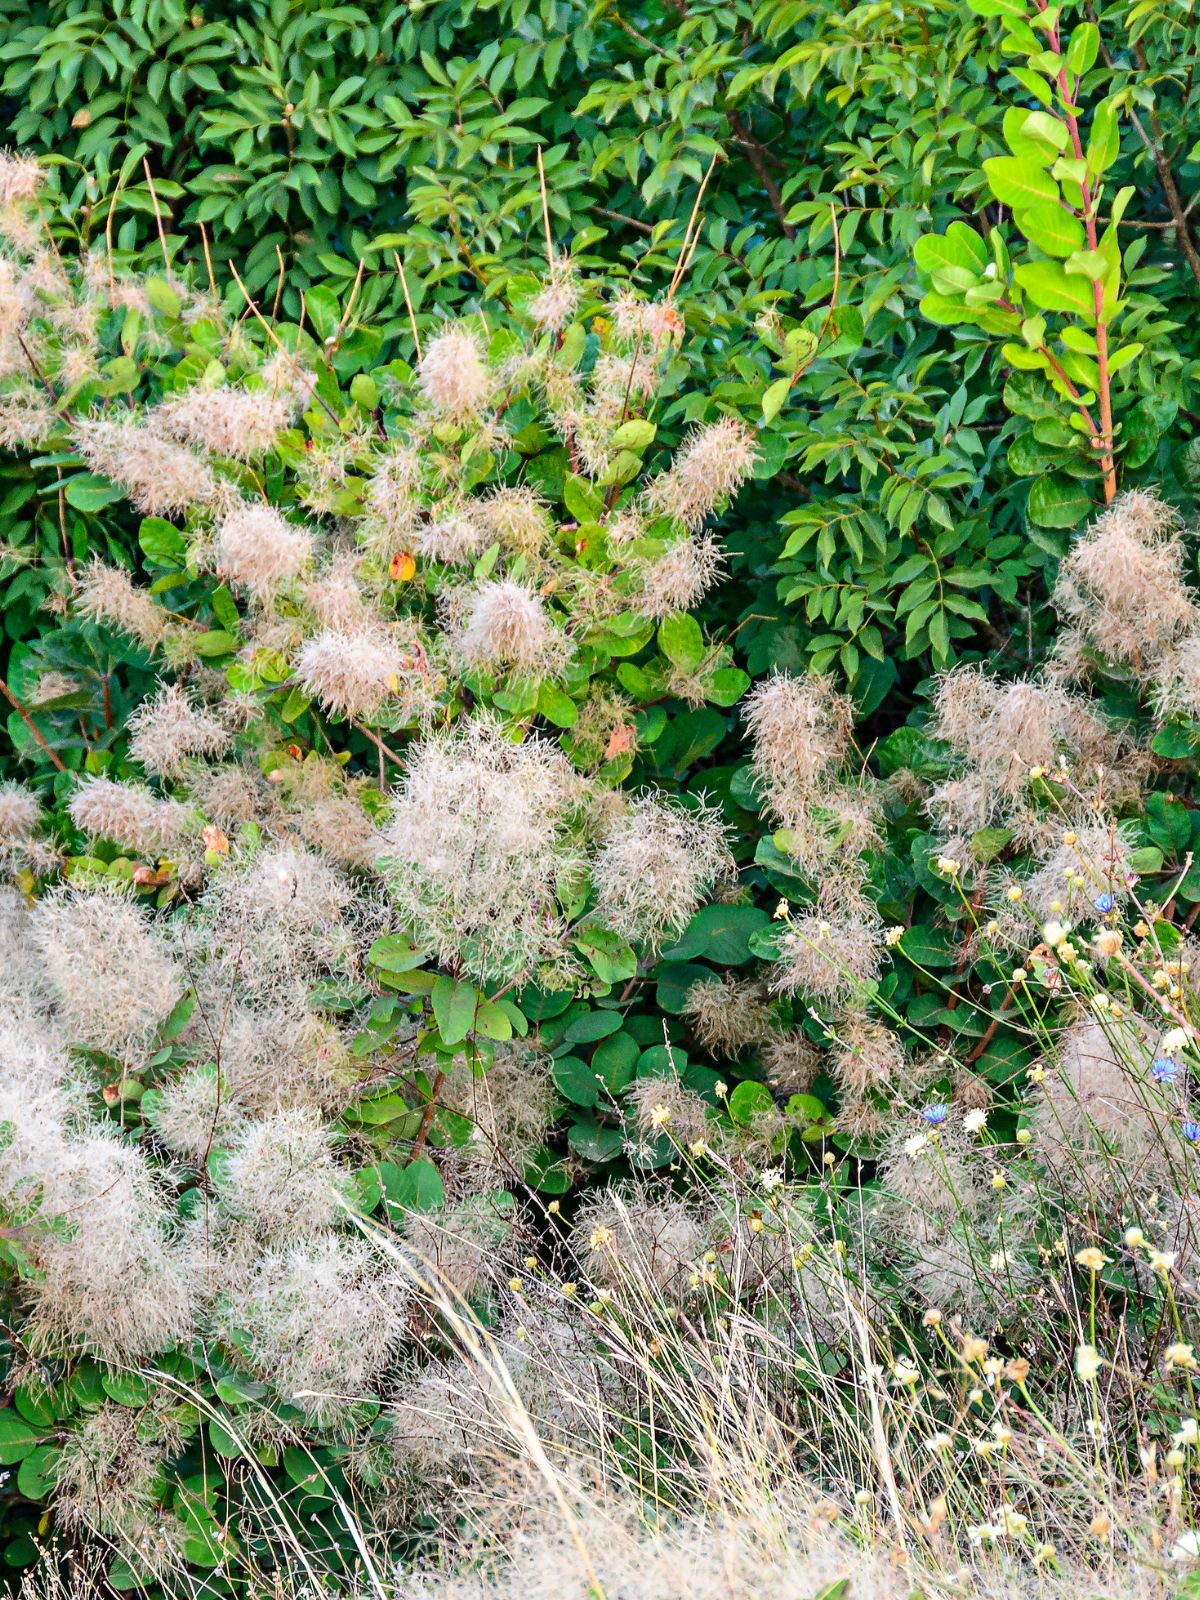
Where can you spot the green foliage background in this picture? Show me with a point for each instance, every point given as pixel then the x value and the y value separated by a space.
pixel 322 137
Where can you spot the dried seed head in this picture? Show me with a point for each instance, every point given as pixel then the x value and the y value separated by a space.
pixel 453 375
pixel 261 551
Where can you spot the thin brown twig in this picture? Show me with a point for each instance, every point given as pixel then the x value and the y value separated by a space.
pixel 688 248
pixel 279 280
pixel 212 281
pixel 386 750
pixel 412 320
pixel 252 304
pixel 545 211
pixel 31 725
pixel 345 318
pixel 756 155
pixel 108 242
pixel 162 237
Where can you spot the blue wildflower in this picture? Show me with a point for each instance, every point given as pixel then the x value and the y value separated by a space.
pixel 1104 903
pixel 1190 1131
pixel 1164 1070
pixel 936 1114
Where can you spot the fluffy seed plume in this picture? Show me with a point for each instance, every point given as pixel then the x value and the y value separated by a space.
pixel 168 728
pixel 319 1319
pixel 866 1054
pixel 129 814
pixel 511 1109
pixel 1123 583
pixel 114 981
pixel 477 844
pixel 677 578
pixel 800 729
pixel 161 478
pixel 507 626
pixel 640 1238
pixel 709 467
pixel 831 952
pixel 1004 729
pixel 111 1281
pixel 194 1115
pixel 727 1014
pixel 337 599
pixel 517 517
pixel 553 306
pixel 21 177
pixel 261 551
pixel 352 674
pixel 279 1176
pixel 392 500
pixel 453 375
pixel 231 421
pixel 109 595
pixel 454 537
pixel 655 864
pixel 20 813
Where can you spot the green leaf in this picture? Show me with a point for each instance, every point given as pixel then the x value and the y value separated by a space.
pixel 364 391
pixel 1053 230
pixel 774 397
pixel 1044 128
pixel 215 643
pixel 375 1110
pixel 1169 825
pixel 957 253
pixel 719 933
pixel 675 978
pixel 1052 289
pixel 1083 48
pixel 38 1472
pixel 161 541
pixel 1104 145
pixel 416 1187
pixel 749 1102
pixel 239 1391
pixel 493 1021
pixel 177 1019
pixel 17 1437
pixel 595 1143
pixel 636 434
pixel 556 706
pixel 126 1388
pixel 547 1173
pixel 988 843
pixel 323 310
pixel 454 1007
pixel 395 952
pixel 582 500
pixel 681 641
pixel 807 1110
pixel 1175 742
pixel 614 1061
pixel 999 8
pixel 592 1025
pixel 1147 859
pixel 1090 264
pixel 222 1440
pixel 610 957
pixel 90 493
pixel 1018 181
pixel 726 686
pixel 575 1081
pixel 1056 501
